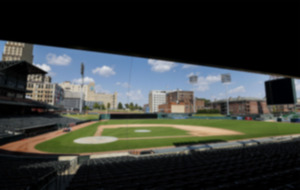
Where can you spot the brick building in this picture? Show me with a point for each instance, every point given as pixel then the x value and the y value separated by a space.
pixel 200 104
pixel 172 107
pixel 182 97
pixel 242 106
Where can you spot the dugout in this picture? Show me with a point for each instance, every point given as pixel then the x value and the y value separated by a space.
pixel 36 130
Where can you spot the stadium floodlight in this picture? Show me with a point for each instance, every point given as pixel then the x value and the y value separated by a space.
pixel 194 80
pixel 81 95
pixel 226 79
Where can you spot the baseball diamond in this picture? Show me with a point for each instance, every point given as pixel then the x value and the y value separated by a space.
pixel 163 133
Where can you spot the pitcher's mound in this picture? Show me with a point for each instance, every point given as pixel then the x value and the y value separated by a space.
pixel 95 140
pixel 142 131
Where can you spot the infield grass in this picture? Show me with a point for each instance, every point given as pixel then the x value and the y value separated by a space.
pixel 153 132
pixel 251 129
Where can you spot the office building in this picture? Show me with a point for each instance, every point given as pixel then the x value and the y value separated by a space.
pixel 39 78
pixel 156 98
pixel 91 96
pixel 48 93
pixel 71 101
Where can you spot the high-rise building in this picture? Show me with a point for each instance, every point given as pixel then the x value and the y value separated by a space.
pixel 156 98
pixel 18 51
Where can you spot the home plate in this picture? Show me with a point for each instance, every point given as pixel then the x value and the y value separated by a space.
pixel 95 140
pixel 142 131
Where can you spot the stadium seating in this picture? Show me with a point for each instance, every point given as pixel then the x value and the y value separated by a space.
pixel 271 166
pixel 13 124
pixel 29 172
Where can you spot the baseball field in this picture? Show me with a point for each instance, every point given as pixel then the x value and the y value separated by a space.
pixel 138 134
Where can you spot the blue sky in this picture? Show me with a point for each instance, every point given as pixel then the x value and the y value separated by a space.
pixel 133 77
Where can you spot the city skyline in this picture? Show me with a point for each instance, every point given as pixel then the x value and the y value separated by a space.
pixel 134 77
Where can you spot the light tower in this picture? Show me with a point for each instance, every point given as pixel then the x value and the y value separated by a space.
pixel 226 79
pixel 194 80
pixel 81 95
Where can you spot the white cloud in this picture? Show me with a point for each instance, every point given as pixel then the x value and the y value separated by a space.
pixel 104 71
pixel 44 67
pixel 239 89
pixel 99 89
pixel 188 66
pixel 86 80
pixel 123 84
pixel 62 60
pixel 297 85
pixel 213 79
pixel 204 83
pixel 135 95
pixel 220 95
pixel 161 66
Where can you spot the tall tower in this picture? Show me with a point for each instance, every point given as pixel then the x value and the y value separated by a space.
pixel 16 51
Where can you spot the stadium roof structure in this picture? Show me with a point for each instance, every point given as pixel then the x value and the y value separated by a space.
pixel 261 38
pixel 25 103
pixel 20 66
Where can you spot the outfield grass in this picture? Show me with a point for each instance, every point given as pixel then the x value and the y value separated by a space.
pixel 251 129
pixel 83 116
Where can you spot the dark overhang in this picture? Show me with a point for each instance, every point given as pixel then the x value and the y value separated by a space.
pixel 20 67
pixel 256 37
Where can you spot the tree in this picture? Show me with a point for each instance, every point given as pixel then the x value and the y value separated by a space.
pixel 207 102
pixel 96 106
pixel 86 108
pixel 108 105
pixel 120 106
pixel 103 107
pixel 131 106
pixel 136 106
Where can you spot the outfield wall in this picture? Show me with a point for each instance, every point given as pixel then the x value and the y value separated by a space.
pixel 157 116
pixel 127 116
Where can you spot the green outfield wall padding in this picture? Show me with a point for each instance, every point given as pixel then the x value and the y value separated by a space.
pixel 204 117
pixel 104 117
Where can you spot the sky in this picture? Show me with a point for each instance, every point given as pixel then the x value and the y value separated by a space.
pixel 134 77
